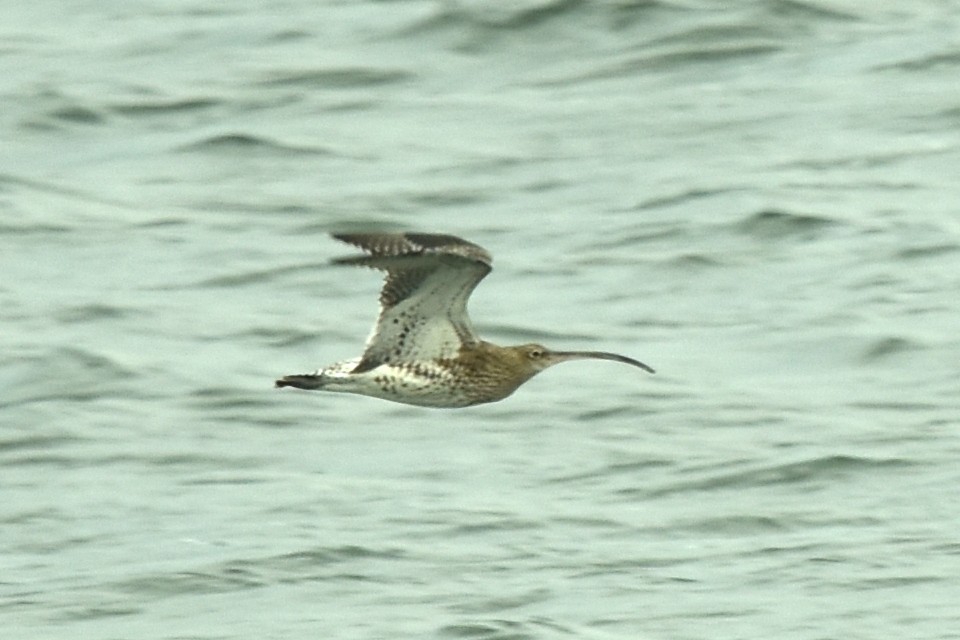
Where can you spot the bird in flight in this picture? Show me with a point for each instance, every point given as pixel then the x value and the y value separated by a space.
pixel 423 349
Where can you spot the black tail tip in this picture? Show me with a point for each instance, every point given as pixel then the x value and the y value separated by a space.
pixel 302 381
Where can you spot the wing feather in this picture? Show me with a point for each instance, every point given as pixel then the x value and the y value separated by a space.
pixel 423 303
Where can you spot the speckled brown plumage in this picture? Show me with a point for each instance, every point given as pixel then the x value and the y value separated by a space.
pixel 423 349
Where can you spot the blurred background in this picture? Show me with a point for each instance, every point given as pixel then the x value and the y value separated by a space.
pixel 759 198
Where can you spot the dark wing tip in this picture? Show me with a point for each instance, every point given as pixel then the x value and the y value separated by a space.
pixel 406 244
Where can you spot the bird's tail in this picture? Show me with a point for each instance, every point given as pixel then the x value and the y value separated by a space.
pixel 309 381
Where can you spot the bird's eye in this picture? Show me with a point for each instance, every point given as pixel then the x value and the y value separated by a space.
pixel 536 353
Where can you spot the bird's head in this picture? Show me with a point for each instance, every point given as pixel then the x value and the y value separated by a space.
pixel 536 357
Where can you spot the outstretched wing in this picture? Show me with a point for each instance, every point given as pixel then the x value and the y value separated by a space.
pixel 423 303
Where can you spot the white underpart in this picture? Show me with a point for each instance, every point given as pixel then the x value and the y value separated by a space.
pixel 395 383
pixel 431 322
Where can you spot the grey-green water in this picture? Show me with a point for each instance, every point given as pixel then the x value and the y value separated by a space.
pixel 758 198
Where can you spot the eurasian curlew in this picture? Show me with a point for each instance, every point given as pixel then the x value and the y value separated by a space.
pixel 423 349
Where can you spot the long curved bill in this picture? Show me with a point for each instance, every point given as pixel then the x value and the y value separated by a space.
pixel 600 355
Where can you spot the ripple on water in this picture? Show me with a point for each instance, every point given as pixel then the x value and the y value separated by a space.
pixel 812 471
pixel 93 313
pixel 356 562
pixel 890 345
pixel 81 375
pixel 251 145
pixel 773 224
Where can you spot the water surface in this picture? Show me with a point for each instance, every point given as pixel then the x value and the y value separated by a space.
pixel 757 198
